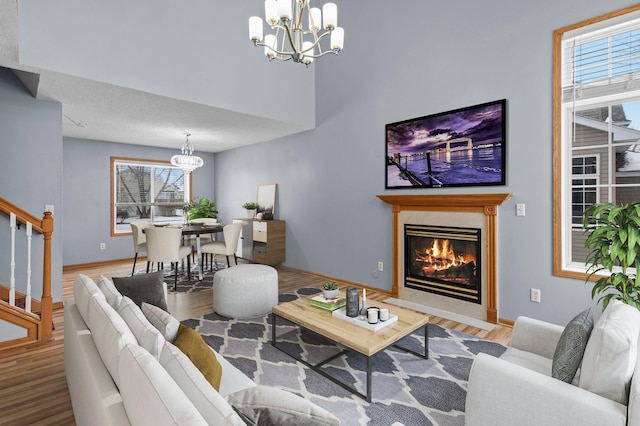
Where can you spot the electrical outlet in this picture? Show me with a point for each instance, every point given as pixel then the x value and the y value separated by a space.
pixel 380 266
pixel 536 295
pixel 103 246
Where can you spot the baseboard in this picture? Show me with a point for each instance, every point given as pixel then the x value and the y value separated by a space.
pixel 473 322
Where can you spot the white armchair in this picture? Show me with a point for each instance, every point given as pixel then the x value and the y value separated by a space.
pixel 517 388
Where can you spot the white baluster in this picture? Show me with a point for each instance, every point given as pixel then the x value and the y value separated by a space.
pixel 12 292
pixel 28 301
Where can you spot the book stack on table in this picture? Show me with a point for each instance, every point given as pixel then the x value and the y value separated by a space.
pixel 328 305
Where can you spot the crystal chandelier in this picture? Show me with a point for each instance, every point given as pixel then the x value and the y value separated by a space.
pixel 291 40
pixel 187 161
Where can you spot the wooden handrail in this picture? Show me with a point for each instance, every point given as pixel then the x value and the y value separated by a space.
pixel 22 216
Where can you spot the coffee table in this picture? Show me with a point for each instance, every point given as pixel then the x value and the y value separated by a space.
pixel 359 339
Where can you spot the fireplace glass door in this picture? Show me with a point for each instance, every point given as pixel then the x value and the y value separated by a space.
pixel 443 260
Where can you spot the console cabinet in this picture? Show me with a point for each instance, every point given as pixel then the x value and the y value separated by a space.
pixel 262 241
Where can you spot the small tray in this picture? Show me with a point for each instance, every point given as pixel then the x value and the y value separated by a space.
pixel 342 314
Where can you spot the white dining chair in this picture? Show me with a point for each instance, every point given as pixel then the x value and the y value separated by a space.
pixel 164 244
pixel 227 247
pixel 139 240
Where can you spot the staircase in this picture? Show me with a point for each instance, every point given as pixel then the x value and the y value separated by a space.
pixel 17 305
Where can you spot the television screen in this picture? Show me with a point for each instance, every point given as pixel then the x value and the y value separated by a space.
pixel 463 147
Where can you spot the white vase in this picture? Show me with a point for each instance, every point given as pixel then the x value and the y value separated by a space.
pixel 330 294
pixel 251 213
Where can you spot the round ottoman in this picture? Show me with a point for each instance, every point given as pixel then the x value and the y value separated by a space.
pixel 245 291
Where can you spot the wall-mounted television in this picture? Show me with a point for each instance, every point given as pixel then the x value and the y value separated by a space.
pixel 463 147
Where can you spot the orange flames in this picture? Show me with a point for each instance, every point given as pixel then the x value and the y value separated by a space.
pixel 441 256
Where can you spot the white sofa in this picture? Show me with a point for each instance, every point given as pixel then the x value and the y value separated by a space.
pixel 116 377
pixel 518 388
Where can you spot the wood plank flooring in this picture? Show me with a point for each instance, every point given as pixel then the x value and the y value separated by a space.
pixel 33 387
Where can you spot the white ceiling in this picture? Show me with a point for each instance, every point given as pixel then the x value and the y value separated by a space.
pixel 96 110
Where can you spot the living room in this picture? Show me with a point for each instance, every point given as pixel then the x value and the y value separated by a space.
pixel 439 57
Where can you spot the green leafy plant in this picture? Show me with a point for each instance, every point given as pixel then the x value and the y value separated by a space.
pixel 198 209
pixel 614 240
pixel 250 206
pixel 330 286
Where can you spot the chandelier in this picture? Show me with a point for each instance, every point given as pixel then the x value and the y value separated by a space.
pixel 187 161
pixel 291 40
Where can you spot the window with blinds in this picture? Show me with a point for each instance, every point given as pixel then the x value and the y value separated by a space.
pixel 597 132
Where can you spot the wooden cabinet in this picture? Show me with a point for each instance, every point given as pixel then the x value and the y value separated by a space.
pixel 262 241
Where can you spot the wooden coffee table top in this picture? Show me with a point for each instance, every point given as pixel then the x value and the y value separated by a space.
pixel 358 338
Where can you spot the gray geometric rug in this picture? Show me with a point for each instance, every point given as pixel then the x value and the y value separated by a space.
pixel 184 285
pixel 406 388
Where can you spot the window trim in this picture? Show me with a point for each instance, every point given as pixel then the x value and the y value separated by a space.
pixel 559 197
pixel 112 215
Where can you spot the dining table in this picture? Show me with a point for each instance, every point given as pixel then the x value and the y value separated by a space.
pixel 197 229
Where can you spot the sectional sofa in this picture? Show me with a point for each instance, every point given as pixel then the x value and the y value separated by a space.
pixel 122 369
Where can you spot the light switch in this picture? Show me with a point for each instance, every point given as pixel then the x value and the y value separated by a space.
pixel 520 210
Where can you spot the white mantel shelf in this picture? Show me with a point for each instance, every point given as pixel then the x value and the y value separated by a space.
pixel 476 203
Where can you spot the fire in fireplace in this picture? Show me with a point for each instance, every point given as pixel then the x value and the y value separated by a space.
pixel 443 260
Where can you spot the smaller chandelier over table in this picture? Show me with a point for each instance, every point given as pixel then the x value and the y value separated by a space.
pixel 187 161
pixel 291 39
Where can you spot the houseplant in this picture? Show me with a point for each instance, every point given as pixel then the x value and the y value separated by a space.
pixel 251 208
pixel 613 236
pixel 330 290
pixel 200 208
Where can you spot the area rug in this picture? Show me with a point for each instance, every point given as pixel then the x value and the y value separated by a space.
pixel 406 388
pixel 184 285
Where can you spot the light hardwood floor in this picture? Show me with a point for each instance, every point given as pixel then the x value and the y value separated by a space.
pixel 33 388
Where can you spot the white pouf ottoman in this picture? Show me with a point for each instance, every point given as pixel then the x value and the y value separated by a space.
pixel 245 291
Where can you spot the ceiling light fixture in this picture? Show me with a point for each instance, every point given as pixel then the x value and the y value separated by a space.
pixel 187 161
pixel 291 40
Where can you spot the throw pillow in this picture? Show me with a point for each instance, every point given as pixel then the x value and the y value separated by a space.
pixel 166 324
pixel 84 289
pixel 143 288
pixel 611 353
pixel 570 348
pixel 110 291
pixel 211 405
pixel 191 343
pixel 149 395
pixel 264 405
pixel 146 334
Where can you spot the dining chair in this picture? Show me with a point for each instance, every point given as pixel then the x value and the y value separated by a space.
pixel 190 240
pixel 227 247
pixel 139 240
pixel 164 245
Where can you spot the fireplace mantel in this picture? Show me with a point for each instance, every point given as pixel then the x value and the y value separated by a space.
pixel 473 203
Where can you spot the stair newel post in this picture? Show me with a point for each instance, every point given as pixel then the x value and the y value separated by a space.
pixel 46 314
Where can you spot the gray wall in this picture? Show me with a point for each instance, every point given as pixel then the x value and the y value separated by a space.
pixel 87 196
pixel 30 177
pixel 439 56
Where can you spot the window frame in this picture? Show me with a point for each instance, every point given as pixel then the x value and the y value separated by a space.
pixel 188 187
pixel 562 157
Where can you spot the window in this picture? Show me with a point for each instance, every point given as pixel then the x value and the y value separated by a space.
pixel 146 190
pixel 596 126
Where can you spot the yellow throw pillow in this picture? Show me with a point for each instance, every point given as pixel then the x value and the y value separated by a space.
pixel 193 346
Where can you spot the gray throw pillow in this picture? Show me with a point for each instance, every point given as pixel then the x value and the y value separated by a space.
pixel 570 348
pixel 141 288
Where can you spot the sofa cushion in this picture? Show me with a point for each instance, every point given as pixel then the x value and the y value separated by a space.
pixel 162 320
pixel 190 342
pixel 611 353
pixel 110 333
pixel 570 349
pixel 110 291
pixel 83 290
pixel 211 405
pixel 264 405
pixel 146 334
pixel 141 288
pixel 150 395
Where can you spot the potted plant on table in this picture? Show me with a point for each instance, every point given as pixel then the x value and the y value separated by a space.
pixel 613 236
pixel 201 208
pixel 330 290
pixel 251 208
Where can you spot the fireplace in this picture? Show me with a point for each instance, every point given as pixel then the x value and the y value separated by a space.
pixel 443 260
